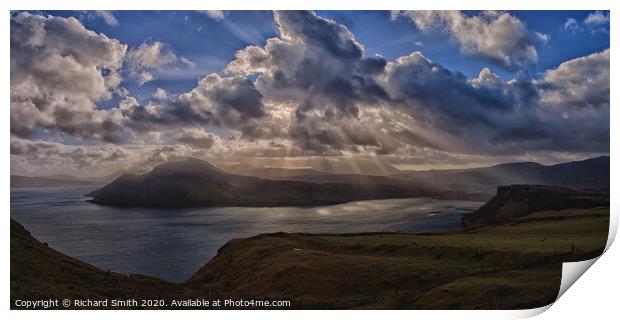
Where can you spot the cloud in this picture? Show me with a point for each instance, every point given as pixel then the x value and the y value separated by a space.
pixel 350 103
pixel 571 24
pixel 226 102
pixel 214 14
pixel 497 36
pixel 312 90
pixel 465 109
pixel 596 18
pixel 596 21
pixel 160 94
pixel 197 138
pixel 57 157
pixel 108 17
pixel 578 83
pixel 59 70
pixel 146 59
pixel 565 110
pixel 315 64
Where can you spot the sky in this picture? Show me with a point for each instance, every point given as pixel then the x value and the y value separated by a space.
pixel 98 91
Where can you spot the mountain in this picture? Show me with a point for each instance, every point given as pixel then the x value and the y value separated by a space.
pixel 516 201
pixel 589 173
pixel 193 182
pixel 61 180
pixel 311 175
pixel 312 165
pixel 50 181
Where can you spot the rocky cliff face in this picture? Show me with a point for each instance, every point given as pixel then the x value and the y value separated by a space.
pixel 519 200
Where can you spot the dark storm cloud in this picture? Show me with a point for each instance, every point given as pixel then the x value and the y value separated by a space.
pixel 442 97
pixel 313 90
pixel 317 32
pixel 492 116
pixel 318 66
pixel 230 102
pixel 59 69
pixel 315 64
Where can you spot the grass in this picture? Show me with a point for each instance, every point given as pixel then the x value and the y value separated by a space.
pixel 512 265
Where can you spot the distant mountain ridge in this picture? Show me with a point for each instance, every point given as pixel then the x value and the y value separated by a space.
pixel 314 165
pixel 589 173
pixel 193 182
pixel 51 181
pixel 60 180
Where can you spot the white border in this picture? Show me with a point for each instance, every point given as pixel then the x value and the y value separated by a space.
pixel 595 294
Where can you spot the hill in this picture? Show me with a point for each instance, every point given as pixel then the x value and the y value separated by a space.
pixel 513 263
pixel 192 182
pixel 589 173
pixel 516 201
pixel 40 272
pixel 311 175
pixel 51 181
pixel 323 165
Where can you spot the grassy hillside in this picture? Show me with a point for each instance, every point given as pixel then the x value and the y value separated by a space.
pixel 512 265
pixel 515 264
pixel 40 272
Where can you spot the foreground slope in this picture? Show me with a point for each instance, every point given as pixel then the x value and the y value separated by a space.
pixel 40 272
pixel 513 263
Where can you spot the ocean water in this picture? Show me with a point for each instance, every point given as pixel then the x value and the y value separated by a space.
pixel 173 244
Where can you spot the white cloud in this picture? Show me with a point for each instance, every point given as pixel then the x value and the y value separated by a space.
pixel 595 22
pixel 500 37
pixel 579 83
pixel 542 37
pixel 108 17
pixel 596 18
pixel 160 94
pixel 571 24
pixel 188 62
pixel 148 58
pixel 214 14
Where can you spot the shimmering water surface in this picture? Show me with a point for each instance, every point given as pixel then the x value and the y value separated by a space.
pixel 172 244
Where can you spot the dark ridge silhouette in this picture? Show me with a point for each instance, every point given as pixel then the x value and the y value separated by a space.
pixel 589 173
pixel 192 183
pixel 51 181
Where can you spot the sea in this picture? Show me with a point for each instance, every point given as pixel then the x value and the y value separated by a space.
pixel 172 244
